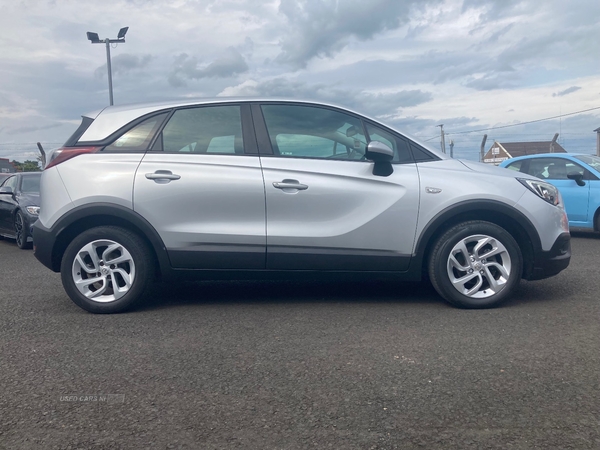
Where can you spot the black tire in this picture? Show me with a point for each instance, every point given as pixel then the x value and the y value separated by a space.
pixel 110 243
pixel 483 278
pixel 21 232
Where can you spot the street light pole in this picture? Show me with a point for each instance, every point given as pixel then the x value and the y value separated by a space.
pixel 94 39
pixel 443 139
pixel 109 67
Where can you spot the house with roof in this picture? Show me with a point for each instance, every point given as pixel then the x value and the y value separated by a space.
pixel 501 151
pixel 6 166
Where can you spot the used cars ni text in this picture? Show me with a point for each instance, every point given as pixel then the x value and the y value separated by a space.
pixel 237 188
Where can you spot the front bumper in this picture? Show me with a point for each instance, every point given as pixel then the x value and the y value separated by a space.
pixel 547 264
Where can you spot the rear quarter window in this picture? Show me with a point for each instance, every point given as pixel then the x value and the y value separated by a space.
pixel 139 137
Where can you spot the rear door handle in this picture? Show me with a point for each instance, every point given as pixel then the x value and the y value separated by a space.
pixel 163 175
pixel 290 184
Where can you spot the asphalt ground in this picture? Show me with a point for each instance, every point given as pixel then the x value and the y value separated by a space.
pixel 299 365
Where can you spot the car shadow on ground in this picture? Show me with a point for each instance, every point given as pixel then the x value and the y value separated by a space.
pixel 231 292
pixel 585 234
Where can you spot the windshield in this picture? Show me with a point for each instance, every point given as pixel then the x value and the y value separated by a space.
pixel 590 160
pixel 31 184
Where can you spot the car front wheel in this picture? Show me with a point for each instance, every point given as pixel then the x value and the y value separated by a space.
pixel 21 233
pixel 475 264
pixel 106 269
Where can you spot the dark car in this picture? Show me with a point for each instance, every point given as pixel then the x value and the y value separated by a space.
pixel 19 206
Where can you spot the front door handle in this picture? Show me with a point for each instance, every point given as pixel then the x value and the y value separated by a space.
pixel 290 184
pixel 164 176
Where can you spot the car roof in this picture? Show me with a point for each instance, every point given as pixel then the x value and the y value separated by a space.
pixel 112 118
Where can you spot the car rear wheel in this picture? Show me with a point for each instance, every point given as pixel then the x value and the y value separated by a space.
pixel 21 233
pixel 106 269
pixel 475 264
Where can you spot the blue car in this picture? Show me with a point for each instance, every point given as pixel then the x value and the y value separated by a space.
pixel 577 177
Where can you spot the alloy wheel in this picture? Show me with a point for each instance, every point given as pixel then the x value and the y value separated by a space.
pixel 19 229
pixel 103 270
pixel 479 266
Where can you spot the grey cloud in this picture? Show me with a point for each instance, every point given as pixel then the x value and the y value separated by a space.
pixel 389 103
pixel 434 67
pixel 123 63
pixel 378 104
pixel 31 129
pixel 566 91
pixel 493 9
pixel 324 27
pixel 492 81
pixel 186 67
pixel 247 47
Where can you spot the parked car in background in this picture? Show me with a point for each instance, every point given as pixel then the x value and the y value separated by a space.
pixel 260 188
pixel 576 176
pixel 19 206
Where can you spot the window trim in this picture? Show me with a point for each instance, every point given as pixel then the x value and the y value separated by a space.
pixel 249 143
pixel 262 133
pixel 265 147
pixel 124 129
pixel 157 131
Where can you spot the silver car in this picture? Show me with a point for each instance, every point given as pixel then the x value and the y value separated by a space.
pixel 238 188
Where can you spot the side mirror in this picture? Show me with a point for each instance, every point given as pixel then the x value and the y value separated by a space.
pixel 6 190
pixel 577 177
pixel 382 155
pixel 378 151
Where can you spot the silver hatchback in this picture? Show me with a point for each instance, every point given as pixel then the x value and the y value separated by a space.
pixel 242 188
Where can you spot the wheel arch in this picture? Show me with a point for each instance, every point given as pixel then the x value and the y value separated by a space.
pixel 91 216
pixel 513 221
pixel 596 220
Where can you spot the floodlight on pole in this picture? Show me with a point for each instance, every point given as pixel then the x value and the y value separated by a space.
pixel 95 39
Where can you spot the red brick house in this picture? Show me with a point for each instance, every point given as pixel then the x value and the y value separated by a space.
pixel 501 151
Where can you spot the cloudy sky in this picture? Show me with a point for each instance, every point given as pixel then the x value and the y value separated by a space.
pixel 472 65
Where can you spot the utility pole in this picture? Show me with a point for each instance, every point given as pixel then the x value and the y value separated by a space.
pixel 443 141
pixel 553 142
pixel 597 130
pixel 482 152
pixel 452 148
pixel 94 39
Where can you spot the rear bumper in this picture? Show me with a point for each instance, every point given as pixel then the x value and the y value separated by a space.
pixel 550 263
pixel 43 243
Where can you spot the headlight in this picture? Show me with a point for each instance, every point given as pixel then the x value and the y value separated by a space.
pixel 544 190
pixel 33 210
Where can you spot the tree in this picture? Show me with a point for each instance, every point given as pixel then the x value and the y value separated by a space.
pixel 27 166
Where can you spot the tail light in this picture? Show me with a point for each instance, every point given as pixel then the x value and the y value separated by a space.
pixel 65 153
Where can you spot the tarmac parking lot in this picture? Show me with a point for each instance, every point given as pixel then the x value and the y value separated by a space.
pixel 296 365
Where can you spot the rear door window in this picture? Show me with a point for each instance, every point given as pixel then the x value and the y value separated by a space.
pixel 202 130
